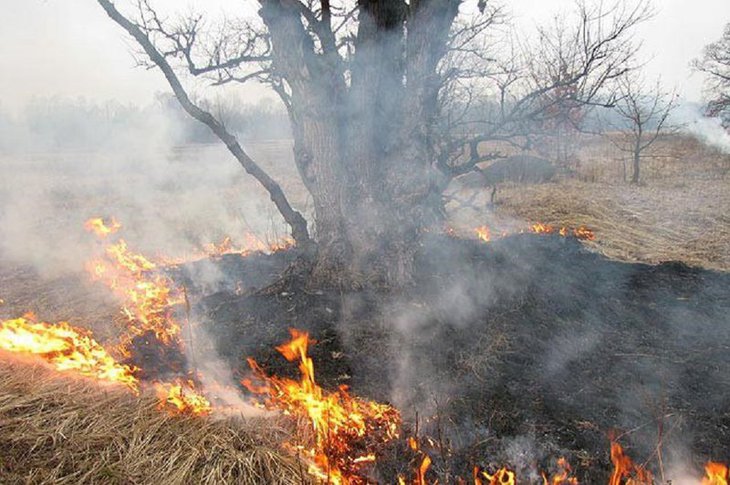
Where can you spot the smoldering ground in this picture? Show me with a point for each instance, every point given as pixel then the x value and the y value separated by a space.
pixel 516 351
pixel 519 351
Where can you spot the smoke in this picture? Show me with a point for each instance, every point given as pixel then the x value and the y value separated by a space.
pixel 64 162
pixel 215 374
pixel 709 130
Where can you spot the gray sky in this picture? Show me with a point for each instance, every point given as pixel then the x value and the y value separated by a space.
pixel 70 48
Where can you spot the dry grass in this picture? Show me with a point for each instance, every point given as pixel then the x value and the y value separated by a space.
pixel 690 223
pixel 680 211
pixel 63 430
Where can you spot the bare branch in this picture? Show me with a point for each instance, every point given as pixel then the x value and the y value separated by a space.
pixel 295 220
pixel 715 64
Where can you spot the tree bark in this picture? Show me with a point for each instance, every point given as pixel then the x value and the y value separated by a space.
pixel 363 149
pixel 637 165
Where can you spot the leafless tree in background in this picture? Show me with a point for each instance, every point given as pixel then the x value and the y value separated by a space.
pixel 383 96
pixel 715 63
pixel 644 111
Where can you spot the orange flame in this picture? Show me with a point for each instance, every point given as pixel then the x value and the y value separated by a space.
pixel 583 232
pixel 252 244
pixel 181 397
pixel 716 474
pixel 148 304
pixel 482 233
pixel 148 298
pixel 540 228
pixel 65 347
pixel 562 477
pixel 503 476
pixel 100 228
pixel 341 423
pixel 625 471
pixel 422 469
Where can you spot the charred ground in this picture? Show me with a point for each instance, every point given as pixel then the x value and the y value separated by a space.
pixel 516 351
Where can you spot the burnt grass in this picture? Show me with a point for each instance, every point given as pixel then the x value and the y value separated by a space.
pixel 514 352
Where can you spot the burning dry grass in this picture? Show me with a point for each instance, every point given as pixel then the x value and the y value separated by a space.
pixel 679 211
pixel 57 430
pixel 688 223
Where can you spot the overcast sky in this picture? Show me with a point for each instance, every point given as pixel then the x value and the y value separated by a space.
pixel 70 48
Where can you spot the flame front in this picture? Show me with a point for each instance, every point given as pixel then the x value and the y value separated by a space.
pixel 65 347
pixel 484 234
pixel 581 232
pixel 181 396
pixel 562 476
pixel 347 433
pixel 625 471
pixel 347 430
pixel 716 474
pixel 100 228
pixel 503 476
pixel 148 298
pixel 251 244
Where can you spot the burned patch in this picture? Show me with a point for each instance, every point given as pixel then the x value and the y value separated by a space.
pixel 517 351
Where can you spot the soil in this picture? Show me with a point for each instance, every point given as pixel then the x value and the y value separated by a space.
pixel 513 352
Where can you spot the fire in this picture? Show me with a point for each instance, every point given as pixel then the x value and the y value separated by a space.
pixel 149 301
pixel 148 297
pixel 482 233
pixel 583 232
pixel 425 465
pixel 74 349
pixel 99 227
pixel 181 397
pixel 540 228
pixel 580 232
pixel 252 244
pixel 503 476
pixel 347 433
pixel 562 477
pixel 67 348
pixel 342 425
pixel 625 471
pixel 716 474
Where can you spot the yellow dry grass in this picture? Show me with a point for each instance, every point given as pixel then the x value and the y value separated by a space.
pixel 690 223
pixel 62 430
pixel 680 211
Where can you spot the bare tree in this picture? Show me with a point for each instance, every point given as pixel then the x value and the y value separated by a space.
pixel 539 87
pixel 370 89
pixel 715 63
pixel 644 112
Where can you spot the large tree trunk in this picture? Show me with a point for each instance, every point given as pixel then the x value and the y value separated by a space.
pixel 362 148
pixel 637 165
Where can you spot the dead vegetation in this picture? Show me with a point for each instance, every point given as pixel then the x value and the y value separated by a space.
pixel 648 224
pixel 679 213
pixel 63 430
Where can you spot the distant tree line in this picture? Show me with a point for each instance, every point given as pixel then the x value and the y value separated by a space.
pixel 80 124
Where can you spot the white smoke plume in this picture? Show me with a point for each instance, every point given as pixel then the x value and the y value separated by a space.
pixel 709 130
